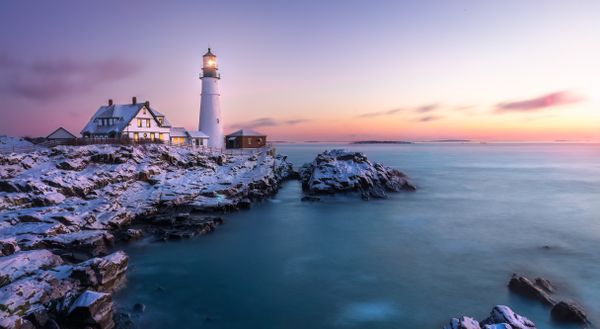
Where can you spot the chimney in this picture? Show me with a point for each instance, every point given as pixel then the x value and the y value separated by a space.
pixel 147 104
pixel 110 102
pixel 133 100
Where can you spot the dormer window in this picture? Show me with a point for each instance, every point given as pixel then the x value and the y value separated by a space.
pixel 161 120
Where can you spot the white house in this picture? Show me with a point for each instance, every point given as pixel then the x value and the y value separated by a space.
pixel 138 121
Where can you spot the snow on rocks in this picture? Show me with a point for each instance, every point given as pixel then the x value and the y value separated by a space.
pixel 46 280
pixel 503 314
pixel 501 317
pixel 344 171
pixel 59 207
pixel 66 192
pixel 464 322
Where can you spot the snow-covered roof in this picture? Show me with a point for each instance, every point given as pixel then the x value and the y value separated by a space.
pixel 124 113
pixel 178 132
pixel 245 132
pixel 197 134
pixel 61 133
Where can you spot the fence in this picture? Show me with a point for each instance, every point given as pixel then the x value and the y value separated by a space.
pixel 124 141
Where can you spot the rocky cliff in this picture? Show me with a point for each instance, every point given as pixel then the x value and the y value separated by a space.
pixel 61 210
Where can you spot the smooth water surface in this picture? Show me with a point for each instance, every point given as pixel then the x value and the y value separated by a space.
pixel 482 212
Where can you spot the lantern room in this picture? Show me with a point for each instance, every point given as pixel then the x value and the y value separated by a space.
pixel 209 65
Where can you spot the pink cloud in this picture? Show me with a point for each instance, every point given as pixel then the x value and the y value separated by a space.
pixel 538 103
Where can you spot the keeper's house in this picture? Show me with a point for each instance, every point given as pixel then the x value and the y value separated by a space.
pixel 138 122
pixel 245 138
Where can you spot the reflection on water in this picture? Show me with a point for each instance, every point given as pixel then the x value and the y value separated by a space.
pixel 415 260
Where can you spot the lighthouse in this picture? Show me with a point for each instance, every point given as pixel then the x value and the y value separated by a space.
pixel 211 122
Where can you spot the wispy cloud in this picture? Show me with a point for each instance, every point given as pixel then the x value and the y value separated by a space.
pixel 428 118
pixel 267 122
pixel 380 113
pixel 426 108
pixel 419 109
pixel 51 79
pixel 539 103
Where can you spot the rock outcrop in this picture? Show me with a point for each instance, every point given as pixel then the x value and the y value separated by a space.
pixel 62 209
pixel 568 312
pixel 538 290
pixel 344 171
pixel 501 317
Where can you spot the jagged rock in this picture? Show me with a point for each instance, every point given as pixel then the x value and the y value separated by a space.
pixel 94 243
pixel 544 284
pixel 497 326
pixel 68 200
pixel 568 312
pixel 522 286
pixel 91 309
pixel 188 228
pixel 464 322
pixel 502 314
pixel 132 234
pixel 343 171
pixel 102 274
pixel 8 246
pixel 25 263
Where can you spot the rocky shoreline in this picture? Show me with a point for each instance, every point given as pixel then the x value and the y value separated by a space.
pixel 63 209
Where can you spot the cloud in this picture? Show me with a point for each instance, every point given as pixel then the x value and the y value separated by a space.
pixel 51 79
pixel 295 121
pixel 419 109
pixel 428 118
pixel 426 108
pixel 379 113
pixel 267 122
pixel 541 102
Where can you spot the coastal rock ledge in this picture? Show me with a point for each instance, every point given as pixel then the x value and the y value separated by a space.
pixel 63 209
pixel 345 171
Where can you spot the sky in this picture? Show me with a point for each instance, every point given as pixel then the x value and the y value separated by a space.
pixel 507 70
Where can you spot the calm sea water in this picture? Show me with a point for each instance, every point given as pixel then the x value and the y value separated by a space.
pixel 414 260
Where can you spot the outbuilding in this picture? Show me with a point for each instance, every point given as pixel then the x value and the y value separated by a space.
pixel 61 134
pixel 245 138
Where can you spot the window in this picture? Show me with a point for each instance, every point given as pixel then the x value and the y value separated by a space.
pixel 151 136
pixel 160 136
pixel 139 123
pixel 147 123
pixel 145 135
pixel 161 121
pixel 259 140
pixel 136 136
pixel 249 141
pixel 144 111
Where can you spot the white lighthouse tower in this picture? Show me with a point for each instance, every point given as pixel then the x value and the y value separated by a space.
pixel 211 122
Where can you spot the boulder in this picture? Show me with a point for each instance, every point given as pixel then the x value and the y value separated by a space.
pixel 544 284
pixel 568 312
pixel 91 309
pixel 103 274
pixel 502 314
pixel 344 171
pixel 8 246
pixel 24 263
pixel 524 287
pixel 464 322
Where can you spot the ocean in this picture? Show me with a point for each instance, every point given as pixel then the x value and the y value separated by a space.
pixel 414 260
